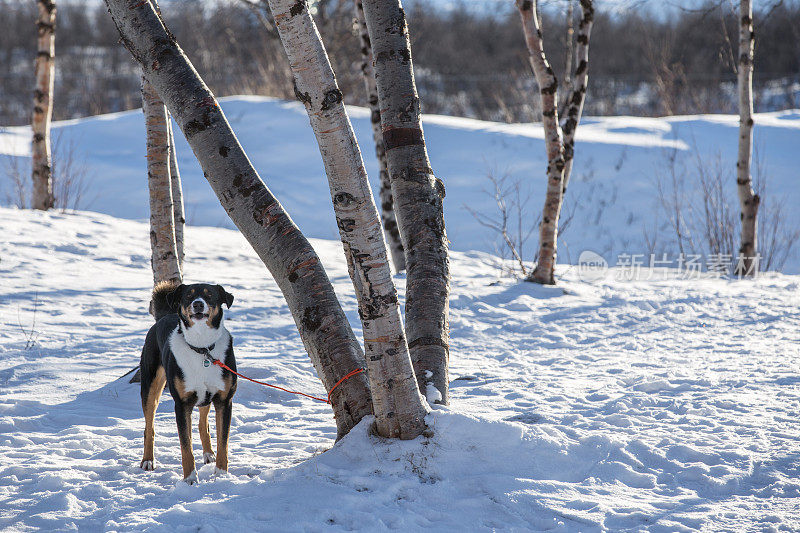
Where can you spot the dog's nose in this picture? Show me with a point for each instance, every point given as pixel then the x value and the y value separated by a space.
pixel 197 306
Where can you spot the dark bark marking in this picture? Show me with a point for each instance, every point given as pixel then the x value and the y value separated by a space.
pixel 312 319
pixel 429 341
pixel 297 8
pixel 399 137
pixel 303 97
pixel 344 199
pixel 346 224
pixel 332 98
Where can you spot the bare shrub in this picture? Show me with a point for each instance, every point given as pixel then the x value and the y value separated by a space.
pixel 510 222
pixel 712 209
pixel 696 195
pixel 71 183
pixel 17 187
pixel 31 334
pixel 777 236
pixel 71 179
pixel 672 196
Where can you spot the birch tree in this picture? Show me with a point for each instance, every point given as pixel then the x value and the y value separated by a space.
pixel 418 198
pixel 559 142
pixel 399 409
pixel 178 216
pixel 163 246
pixel 747 263
pixel 41 159
pixel 388 218
pixel 260 217
pixel 577 88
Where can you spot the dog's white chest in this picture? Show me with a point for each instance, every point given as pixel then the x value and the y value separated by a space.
pixel 198 378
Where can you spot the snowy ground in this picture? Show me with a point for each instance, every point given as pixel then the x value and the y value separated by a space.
pixel 612 198
pixel 661 405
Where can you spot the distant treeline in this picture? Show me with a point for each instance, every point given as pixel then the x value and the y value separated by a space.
pixel 467 63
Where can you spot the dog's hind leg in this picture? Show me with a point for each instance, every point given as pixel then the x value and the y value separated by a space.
pixel 205 438
pixel 223 410
pixel 152 387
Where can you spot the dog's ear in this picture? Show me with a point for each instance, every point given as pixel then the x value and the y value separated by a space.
pixel 174 297
pixel 226 296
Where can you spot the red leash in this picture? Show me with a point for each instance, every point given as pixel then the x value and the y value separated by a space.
pixel 348 376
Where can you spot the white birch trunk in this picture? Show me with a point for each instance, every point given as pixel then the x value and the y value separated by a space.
pixel 291 260
pixel 41 160
pixel 164 258
pixel 177 195
pixel 399 409
pixel 748 200
pixel 554 146
pixel 578 85
pixel 569 53
pixel 418 197
pixel 388 218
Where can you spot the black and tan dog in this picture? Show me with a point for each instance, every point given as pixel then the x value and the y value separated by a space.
pixel 178 352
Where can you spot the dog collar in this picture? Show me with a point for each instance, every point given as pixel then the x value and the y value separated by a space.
pixel 201 351
pixel 206 352
pixel 208 359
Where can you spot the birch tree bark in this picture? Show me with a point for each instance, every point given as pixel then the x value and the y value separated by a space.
pixel 577 88
pixel 388 218
pixel 746 264
pixel 178 215
pixel 399 408
pixel 164 259
pixel 559 144
pixel 569 54
pixel 554 146
pixel 41 160
pixel 418 198
pixel 291 260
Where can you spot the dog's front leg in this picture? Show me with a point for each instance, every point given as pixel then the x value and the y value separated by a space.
pixel 183 416
pixel 205 438
pixel 223 410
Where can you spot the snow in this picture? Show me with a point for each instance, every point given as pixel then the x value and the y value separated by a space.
pixel 664 403
pixel 612 193
pixel 600 404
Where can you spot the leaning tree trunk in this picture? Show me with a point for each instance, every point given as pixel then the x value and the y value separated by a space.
pixel 548 85
pixel 747 263
pixel 577 93
pixel 41 161
pixel 388 218
pixel 164 259
pixel 177 195
pixel 287 254
pixel 418 198
pixel 399 408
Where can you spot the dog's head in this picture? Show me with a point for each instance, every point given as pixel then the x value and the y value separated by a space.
pixel 201 303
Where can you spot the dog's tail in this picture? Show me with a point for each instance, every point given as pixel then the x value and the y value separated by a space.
pixel 163 301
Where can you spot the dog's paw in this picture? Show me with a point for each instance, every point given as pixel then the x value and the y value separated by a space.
pixel 191 479
pixel 148 465
pixel 209 457
pixel 218 472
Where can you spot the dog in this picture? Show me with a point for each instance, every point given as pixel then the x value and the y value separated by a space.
pixel 178 353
